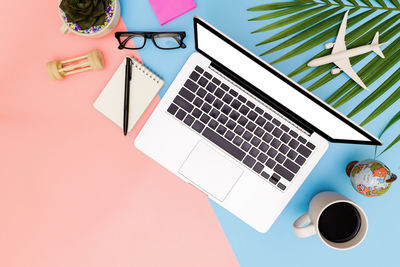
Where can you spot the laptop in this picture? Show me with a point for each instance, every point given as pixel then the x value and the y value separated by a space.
pixel 240 131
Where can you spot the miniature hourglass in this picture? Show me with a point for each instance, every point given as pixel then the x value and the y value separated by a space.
pixel 58 70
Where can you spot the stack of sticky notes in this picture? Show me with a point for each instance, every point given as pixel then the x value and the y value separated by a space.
pixel 167 10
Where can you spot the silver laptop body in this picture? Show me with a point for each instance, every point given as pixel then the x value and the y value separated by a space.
pixel 241 131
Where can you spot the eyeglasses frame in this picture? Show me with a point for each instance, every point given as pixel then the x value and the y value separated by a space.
pixel 148 35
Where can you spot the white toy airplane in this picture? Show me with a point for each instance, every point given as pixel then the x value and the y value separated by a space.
pixel 340 55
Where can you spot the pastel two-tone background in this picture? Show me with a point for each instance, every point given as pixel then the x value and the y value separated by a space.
pixel 75 192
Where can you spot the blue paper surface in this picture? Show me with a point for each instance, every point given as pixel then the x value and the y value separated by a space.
pixel 279 246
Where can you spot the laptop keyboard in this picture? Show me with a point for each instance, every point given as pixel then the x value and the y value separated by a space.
pixel 248 132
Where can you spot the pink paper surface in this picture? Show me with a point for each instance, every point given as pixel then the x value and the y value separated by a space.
pixel 167 10
pixel 73 190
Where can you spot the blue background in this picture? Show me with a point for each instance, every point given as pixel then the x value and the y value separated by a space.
pixel 279 246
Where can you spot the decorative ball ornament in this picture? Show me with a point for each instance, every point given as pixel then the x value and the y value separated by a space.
pixel 370 177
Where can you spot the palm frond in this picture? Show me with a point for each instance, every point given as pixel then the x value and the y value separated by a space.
pixel 305 34
pixel 354 2
pixel 322 37
pixel 382 107
pixel 289 20
pixel 382 3
pixel 375 69
pixel 364 39
pixel 367 2
pixel 339 2
pixel 352 42
pixel 395 3
pixel 349 84
pixel 280 5
pixel 367 69
pixel 283 12
pixel 309 23
pixel 395 141
pixel 395 118
pixel 392 80
pixel 301 25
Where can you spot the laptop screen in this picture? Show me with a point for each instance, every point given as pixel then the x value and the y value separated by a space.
pixel 333 125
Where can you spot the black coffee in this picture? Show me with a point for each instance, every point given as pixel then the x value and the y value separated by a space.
pixel 339 222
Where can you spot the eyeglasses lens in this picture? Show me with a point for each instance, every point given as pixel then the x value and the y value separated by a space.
pixel 167 40
pixel 132 41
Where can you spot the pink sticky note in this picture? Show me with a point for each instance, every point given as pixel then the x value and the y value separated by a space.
pixel 167 10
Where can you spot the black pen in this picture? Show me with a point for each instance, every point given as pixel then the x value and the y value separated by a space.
pixel 128 74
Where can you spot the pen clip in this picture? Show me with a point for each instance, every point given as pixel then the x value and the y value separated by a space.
pixel 129 65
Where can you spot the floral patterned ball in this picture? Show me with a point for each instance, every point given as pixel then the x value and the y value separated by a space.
pixel 370 178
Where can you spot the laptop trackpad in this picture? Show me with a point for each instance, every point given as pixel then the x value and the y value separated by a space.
pixel 211 171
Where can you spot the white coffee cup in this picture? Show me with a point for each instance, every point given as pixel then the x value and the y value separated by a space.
pixel 307 224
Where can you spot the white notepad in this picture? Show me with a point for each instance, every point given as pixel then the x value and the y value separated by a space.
pixel 144 87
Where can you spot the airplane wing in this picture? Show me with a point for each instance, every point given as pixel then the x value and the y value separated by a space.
pixel 340 43
pixel 345 66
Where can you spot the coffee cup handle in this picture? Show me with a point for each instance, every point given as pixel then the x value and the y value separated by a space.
pixel 304 231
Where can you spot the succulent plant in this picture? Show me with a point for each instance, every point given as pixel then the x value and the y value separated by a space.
pixel 85 13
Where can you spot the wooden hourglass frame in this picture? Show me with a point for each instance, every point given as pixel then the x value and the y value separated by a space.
pixel 58 70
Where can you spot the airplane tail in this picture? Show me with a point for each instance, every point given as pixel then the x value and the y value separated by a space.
pixel 375 46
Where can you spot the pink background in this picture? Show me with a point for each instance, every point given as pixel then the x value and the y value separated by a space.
pixel 73 190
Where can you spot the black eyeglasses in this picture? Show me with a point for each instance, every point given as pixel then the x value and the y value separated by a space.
pixel 162 40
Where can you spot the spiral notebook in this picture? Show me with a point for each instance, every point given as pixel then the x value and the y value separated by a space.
pixel 144 87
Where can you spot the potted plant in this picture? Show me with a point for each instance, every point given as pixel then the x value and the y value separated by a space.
pixel 93 18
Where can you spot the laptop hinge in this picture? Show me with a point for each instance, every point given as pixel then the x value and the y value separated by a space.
pixel 296 120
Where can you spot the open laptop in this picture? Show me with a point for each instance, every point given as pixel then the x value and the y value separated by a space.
pixel 241 131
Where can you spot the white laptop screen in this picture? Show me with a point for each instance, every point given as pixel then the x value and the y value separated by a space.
pixel 246 65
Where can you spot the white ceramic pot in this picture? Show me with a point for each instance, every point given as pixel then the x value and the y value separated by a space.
pixel 65 29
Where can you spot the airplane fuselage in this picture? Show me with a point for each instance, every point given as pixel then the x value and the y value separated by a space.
pixel 342 55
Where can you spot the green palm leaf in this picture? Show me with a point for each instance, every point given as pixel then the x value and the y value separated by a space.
pixel 277 5
pixel 353 42
pixel 381 2
pixel 339 2
pixel 395 2
pixel 289 20
pixel 367 2
pixel 376 68
pixel 283 12
pixel 395 141
pixel 354 2
pixel 368 81
pixel 301 25
pixel 349 84
pixel 311 23
pixel 392 80
pixel 322 37
pixel 367 69
pixel 382 107
pixel 390 123
pixel 366 37
pixel 305 34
